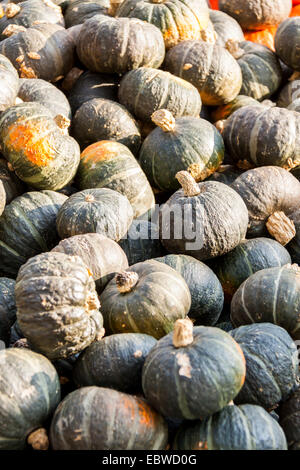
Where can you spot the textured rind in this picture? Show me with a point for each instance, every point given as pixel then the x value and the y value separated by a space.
pixel 287 42
pixel 288 94
pixel 226 27
pixel 8 308
pixel 78 11
pixel 9 83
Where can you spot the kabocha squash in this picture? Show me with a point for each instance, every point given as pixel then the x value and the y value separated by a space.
pixel 257 14
pixel 30 392
pixel 43 51
pixel 206 291
pixel 8 308
pixel 57 305
pixel 209 67
pixel 271 364
pixel 185 358
pixel 114 362
pixel 178 20
pixel 226 27
pixel 27 228
pixel 146 90
pixel 271 295
pixel 244 427
pixel 224 111
pixel 102 256
pixel 226 174
pixel 108 164
pixel 287 41
pixel 36 147
pixel 289 420
pixel 78 11
pixel 116 45
pixel 261 71
pixel 103 119
pixel 9 83
pixel 293 246
pixel 99 210
pixel 137 300
pixel 288 94
pixel 135 426
pixel 247 258
pixel 188 220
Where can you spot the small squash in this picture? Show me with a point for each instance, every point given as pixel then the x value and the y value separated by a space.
pixel 8 308
pixel 226 27
pixel 78 11
pixel 289 413
pixel 9 83
pixel 287 42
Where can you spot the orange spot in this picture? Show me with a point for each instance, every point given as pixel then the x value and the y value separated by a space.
pixel 146 415
pixel 100 151
pixel 264 37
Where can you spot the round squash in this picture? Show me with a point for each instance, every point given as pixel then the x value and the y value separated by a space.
pixel 288 94
pixel 137 301
pixel 135 425
pixel 57 304
pixel 289 420
pixel 287 42
pixel 12 185
pixel 271 364
pixel 102 256
pixel 9 83
pixel 244 427
pixel 8 308
pixel 78 11
pixel 226 27
pixel 146 90
pixel 27 228
pixel 30 392
pixel 223 112
pixel 114 362
pixel 185 358
pixel 108 164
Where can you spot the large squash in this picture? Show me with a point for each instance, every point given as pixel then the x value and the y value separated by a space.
pixel 8 308
pixel 287 41
pixel 78 11
pixel 9 83
pixel 226 27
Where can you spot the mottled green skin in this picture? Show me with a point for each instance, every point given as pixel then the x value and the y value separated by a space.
pixel 30 392
pixel 171 376
pixel 271 363
pixel 8 308
pixel 114 362
pixel 226 27
pixel 78 11
pixel 206 291
pixel 244 427
pixel 107 420
pixel 289 419
pixel 287 42
pixel 146 90
pixel 160 297
pixel 289 93
pixel 12 185
pixel 9 83
pixel 194 141
pixel 27 227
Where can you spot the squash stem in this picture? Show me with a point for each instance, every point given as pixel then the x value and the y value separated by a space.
pixel 281 227
pixel 183 333
pixel 188 184
pixel 126 281
pixel 38 439
pixel 164 119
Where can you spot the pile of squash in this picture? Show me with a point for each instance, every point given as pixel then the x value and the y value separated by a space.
pixel 149 224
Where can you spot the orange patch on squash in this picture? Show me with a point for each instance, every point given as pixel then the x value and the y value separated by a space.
pixel 264 37
pixel 296 10
pixel 100 151
pixel 146 417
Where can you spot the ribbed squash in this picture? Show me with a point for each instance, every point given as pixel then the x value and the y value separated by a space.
pixel 287 41
pixel 226 27
pixel 78 11
pixel 8 308
pixel 288 94
pixel 9 83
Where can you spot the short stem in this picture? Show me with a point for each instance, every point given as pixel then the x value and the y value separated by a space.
pixel 126 281
pixel 21 343
pixel 164 119
pixel 208 36
pixel 12 10
pixel 92 301
pixel 188 184
pixel 183 333
pixel 233 47
pixel 62 122
pixel 89 198
pixel 158 1
pixel 281 227
pixel 38 439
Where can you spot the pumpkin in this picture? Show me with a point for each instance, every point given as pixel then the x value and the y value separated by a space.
pixel 271 195
pixel 7 307
pixel 30 392
pixel 9 81
pixel 36 147
pixel 265 37
pixel 27 227
pixel 226 174
pixel 244 427
pixel 185 358
pixel 261 71
pixel 145 90
pixel 57 304
pixel 257 14
pixel 289 94
pixel 224 111
pixel 189 218
pixel 13 187
pixel 102 256
pixel 185 143
pixel 116 45
pixel 114 362
pixel 289 420
pixel 137 301
pixel 206 291
pixel 178 20
pixel 226 27
pixel 93 85
pixel 135 426
pixel 246 259
pixel 108 164
pixel 287 40
pixel 103 119
pixel 271 363
pixel 78 11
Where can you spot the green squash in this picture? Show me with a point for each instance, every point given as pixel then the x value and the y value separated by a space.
pixel 226 27
pixel 78 11
pixel 287 40
pixel 289 93
pixel 8 308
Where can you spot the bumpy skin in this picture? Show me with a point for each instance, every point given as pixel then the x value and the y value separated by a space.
pixel 30 392
pixel 9 81
pixel 226 27
pixel 27 227
pixel 193 142
pixel 53 44
pixel 264 136
pixel 246 259
pixel 12 185
pixel 108 164
pixel 219 217
pixel 267 190
pixel 117 45
pixel 287 42
pixel 171 376
pixel 56 294
pixel 8 308
pixel 257 14
pixel 244 427
pixel 290 420
pixel 223 112
pixel 78 11
pixel 149 307
pixel 103 256
pixel 206 291
pixel 209 67
pixel 146 90
pixel 178 20
pixel 289 93
pixel 74 427
pixel 277 299
pixel 103 119
pixel 271 364
pixel 114 362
